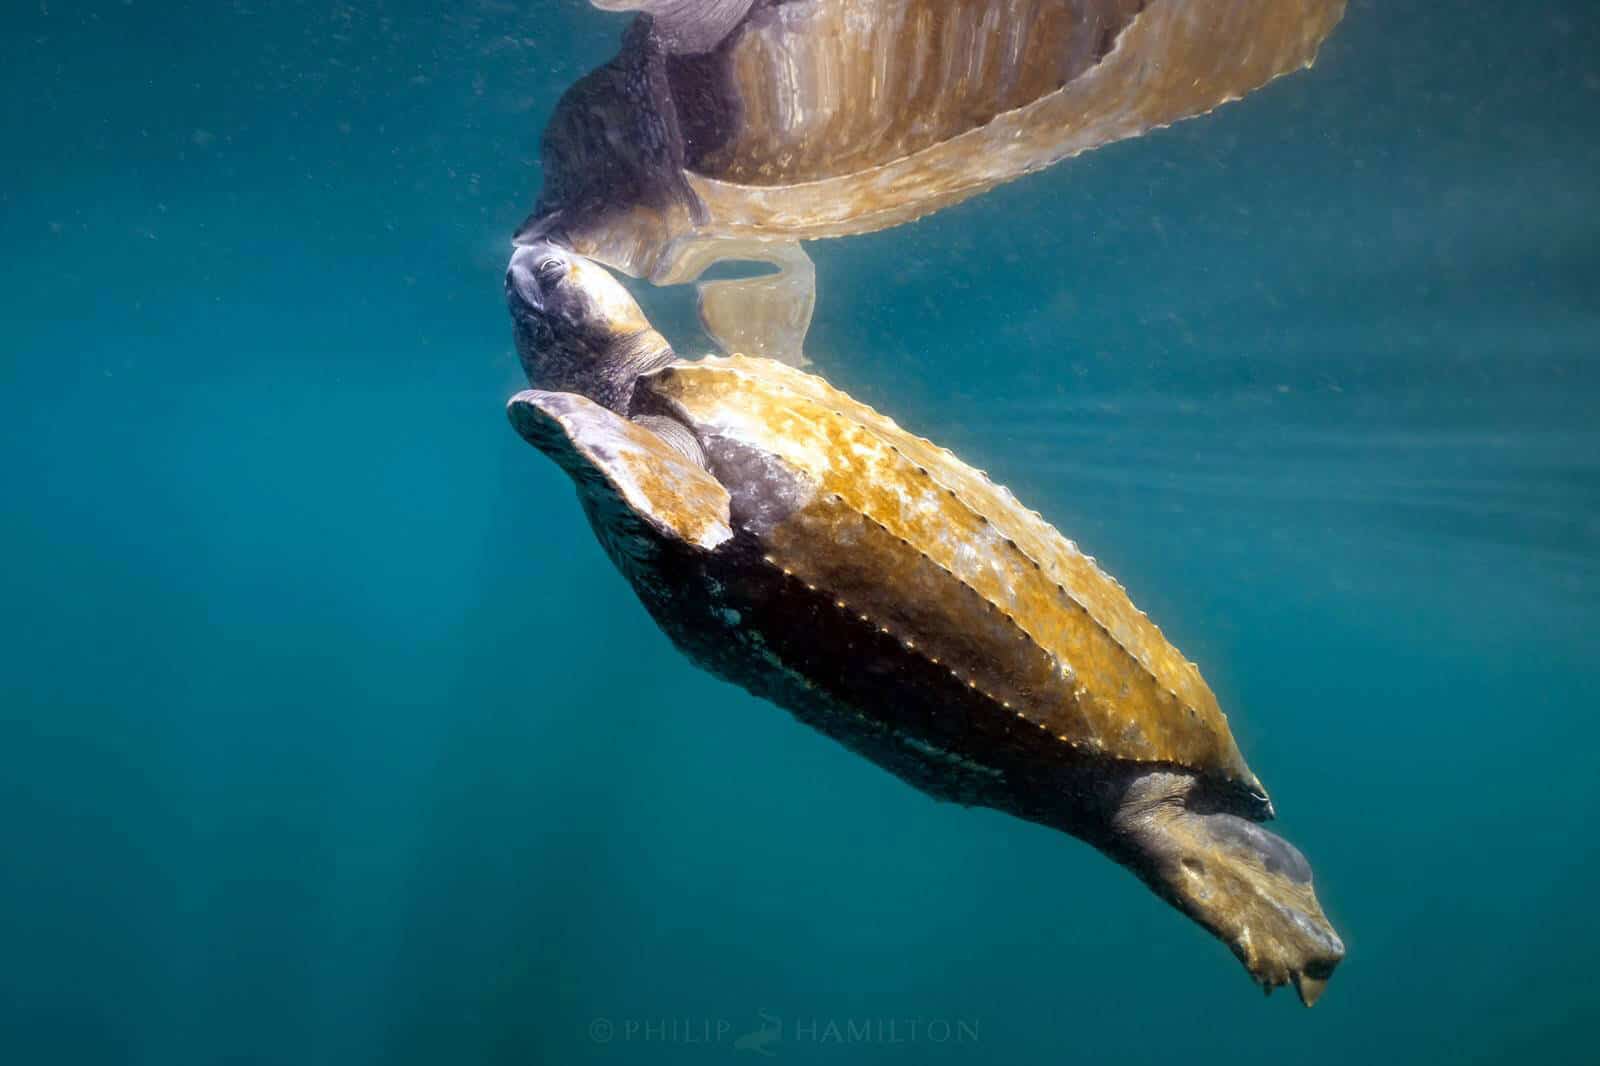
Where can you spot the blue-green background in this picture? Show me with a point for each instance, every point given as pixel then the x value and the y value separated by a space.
pixel 327 734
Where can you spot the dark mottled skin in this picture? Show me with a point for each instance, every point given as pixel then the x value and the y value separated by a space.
pixel 567 348
pixel 614 141
pixel 763 490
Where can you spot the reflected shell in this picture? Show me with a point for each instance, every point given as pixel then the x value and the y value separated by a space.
pixel 816 118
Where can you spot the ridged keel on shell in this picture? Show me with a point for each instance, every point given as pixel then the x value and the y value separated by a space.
pixel 928 548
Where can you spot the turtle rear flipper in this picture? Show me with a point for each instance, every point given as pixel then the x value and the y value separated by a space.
pixel 1250 887
pixel 636 486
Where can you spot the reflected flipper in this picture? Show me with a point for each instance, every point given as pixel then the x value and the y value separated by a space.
pixel 766 315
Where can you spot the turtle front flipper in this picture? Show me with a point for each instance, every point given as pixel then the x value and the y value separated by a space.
pixel 635 485
pixel 766 315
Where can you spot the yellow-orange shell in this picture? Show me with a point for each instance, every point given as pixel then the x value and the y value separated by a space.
pixel 901 532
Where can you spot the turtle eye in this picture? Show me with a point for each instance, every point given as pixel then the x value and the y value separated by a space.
pixel 550 270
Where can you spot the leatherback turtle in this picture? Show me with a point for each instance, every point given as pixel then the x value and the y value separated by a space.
pixel 803 546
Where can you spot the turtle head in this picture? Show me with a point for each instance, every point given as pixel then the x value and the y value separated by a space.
pixel 613 156
pixel 576 328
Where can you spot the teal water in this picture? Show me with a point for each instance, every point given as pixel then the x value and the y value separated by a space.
pixel 328 734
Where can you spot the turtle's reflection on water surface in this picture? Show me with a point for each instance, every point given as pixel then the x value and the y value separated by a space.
pixel 737 129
